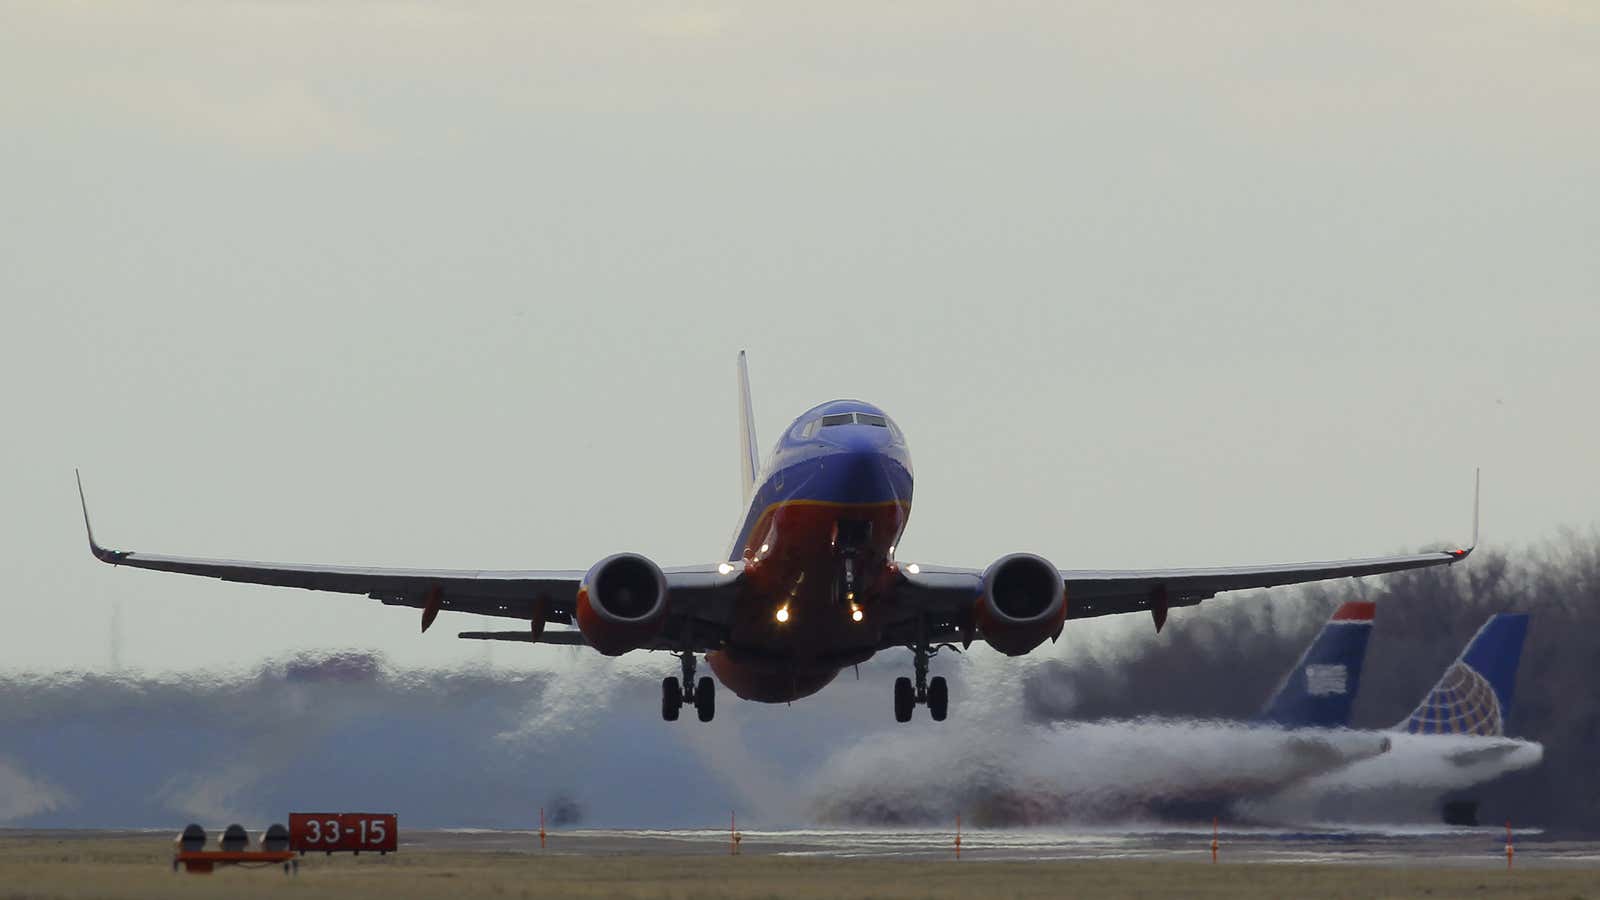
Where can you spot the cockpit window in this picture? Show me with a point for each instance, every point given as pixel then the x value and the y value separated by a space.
pixel 855 419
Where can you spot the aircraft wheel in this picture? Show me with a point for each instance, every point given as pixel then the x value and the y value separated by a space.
pixel 671 699
pixel 938 698
pixel 705 699
pixel 904 699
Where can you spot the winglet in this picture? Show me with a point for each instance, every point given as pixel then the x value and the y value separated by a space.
pixel 100 553
pixel 1477 486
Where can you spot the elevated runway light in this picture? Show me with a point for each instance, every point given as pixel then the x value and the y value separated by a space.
pixel 783 614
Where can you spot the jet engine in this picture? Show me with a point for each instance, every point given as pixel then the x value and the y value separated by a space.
pixel 622 603
pixel 1023 602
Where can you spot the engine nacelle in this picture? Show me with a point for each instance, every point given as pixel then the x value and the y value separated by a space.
pixel 622 603
pixel 1024 602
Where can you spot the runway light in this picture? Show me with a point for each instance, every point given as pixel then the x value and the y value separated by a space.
pixel 783 614
pixel 855 614
pixel 913 568
pixel 724 569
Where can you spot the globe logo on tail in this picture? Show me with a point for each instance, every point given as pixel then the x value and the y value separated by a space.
pixel 1462 703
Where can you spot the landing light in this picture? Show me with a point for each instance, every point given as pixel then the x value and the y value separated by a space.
pixel 724 569
pixel 855 613
pixel 913 568
pixel 765 547
pixel 783 614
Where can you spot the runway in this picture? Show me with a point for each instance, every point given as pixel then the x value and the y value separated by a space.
pixel 133 865
pixel 1463 848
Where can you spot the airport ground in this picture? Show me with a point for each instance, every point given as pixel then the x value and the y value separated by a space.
pixel 81 864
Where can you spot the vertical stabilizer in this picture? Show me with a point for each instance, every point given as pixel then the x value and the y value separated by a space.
pixel 1321 688
pixel 1474 696
pixel 749 459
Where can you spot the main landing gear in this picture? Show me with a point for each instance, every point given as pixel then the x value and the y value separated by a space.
pixel 935 693
pixel 675 696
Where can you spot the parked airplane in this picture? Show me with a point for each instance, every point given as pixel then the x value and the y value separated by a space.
pixel 810 586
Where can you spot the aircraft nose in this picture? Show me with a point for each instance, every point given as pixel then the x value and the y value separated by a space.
pixel 862 468
pixel 860 473
pixel 860 439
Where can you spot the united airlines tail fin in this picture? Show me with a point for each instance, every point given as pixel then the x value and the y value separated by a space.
pixel 749 457
pixel 1474 696
pixel 1319 690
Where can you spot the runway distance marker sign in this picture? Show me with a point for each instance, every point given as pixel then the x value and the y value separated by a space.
pixel 344 832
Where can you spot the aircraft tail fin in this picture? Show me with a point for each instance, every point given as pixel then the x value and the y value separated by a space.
pixel 1475 694
pixel 749 456
pixel 1319 691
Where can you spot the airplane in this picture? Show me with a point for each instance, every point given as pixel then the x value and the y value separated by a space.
pixel 1455 738
pixel 810 586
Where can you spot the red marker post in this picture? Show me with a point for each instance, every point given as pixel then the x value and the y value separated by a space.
pixel 958 837
pixel 1213 840
pixel 344 832
pixel 1509 851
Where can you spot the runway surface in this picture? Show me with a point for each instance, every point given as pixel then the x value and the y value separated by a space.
pixel 583 863
pixel 1474 847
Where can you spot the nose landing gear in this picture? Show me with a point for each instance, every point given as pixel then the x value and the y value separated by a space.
pixel 702 695
pixel 935 693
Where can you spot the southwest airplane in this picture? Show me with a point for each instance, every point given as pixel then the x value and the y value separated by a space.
pixel 809 587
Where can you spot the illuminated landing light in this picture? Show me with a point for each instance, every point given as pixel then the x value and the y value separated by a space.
pixel 850 596
pixel 891 551
pixel 913 568
pixel 765 547
pixel 856 614
pixel 783 614
pixel 724 569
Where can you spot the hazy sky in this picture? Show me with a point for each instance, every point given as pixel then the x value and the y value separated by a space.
pixel 461 285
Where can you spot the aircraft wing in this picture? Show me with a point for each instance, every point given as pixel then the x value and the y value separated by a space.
pixel 1104 592
pixel 702 595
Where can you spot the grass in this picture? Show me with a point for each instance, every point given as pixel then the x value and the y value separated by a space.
pixel 68 866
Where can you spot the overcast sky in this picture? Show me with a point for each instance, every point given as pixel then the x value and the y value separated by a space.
pixel 461 285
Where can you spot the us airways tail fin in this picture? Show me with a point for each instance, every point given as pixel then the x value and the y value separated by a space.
pixel 1474 696
pixel 749 456
pixel 1319 690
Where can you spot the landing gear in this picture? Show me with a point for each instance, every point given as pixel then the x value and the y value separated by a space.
pixel 705 699
pixel 935 693
pixel 702 696
pixel 904 699
pixel 671 699
pixel 938 698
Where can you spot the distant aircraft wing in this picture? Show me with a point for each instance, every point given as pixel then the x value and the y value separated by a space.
pixel 703 594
